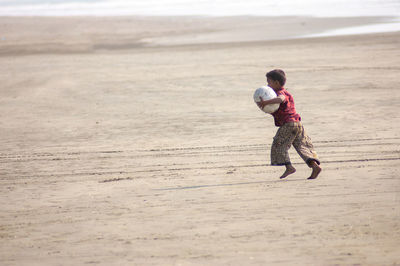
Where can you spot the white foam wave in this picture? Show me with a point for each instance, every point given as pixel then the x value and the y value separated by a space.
pixel 318 8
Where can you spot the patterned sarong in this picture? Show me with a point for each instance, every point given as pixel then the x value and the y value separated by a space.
pixel 292 133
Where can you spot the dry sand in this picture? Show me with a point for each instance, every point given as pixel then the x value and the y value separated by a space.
pixel 119 148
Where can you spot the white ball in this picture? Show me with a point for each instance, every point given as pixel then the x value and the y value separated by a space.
pixel 266 93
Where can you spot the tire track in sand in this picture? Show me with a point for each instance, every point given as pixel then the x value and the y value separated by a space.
pixel 142 163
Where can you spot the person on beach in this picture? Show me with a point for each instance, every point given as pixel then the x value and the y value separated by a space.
pixel 291 130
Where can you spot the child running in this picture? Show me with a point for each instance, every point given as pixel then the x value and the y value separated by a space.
pixel 291 131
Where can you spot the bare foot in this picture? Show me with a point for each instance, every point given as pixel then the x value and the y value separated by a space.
pixel 315 171
pixel 289 170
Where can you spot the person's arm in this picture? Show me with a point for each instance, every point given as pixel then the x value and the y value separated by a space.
pixel 280 99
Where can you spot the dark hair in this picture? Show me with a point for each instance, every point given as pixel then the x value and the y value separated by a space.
pixel 277 74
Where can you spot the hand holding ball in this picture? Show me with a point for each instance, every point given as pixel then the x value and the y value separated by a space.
pixel 266 93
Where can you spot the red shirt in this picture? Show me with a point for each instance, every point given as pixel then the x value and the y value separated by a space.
pixel 287 111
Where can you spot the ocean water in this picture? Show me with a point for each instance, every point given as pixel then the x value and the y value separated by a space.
pixel 318 8
pixel 315 8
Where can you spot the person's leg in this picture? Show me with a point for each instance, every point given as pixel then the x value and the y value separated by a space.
pixel 305 149
pixel 316 169
pixel 289 170
pixel 280 148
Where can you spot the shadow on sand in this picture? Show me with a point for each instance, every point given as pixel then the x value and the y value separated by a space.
pixel 230 184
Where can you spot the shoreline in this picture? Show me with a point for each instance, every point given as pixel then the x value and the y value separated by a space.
pixel 32 35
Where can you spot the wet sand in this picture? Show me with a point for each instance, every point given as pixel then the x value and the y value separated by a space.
pixel 135 147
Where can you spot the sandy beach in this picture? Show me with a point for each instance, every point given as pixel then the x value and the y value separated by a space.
pixel 136 141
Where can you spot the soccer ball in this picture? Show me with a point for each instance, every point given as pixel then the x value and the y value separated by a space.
pixel 266 93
